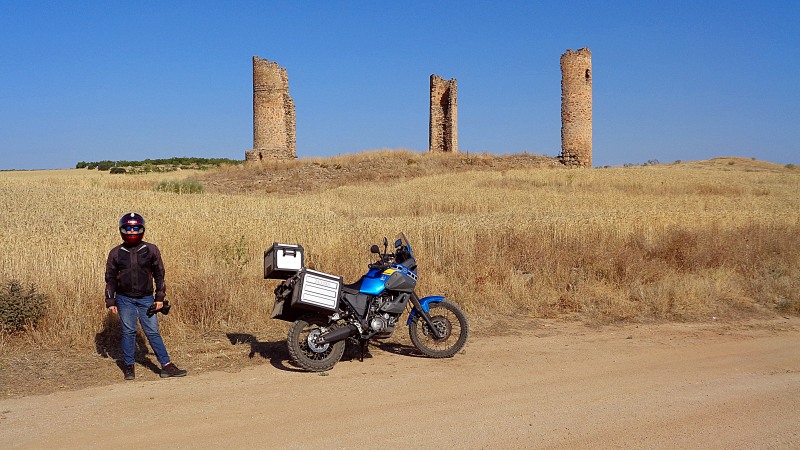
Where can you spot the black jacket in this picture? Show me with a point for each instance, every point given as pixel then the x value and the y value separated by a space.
pixel 131 271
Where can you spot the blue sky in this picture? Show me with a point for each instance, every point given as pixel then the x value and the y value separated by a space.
pixel 88 81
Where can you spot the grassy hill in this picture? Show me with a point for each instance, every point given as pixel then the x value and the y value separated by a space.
pixel 381 166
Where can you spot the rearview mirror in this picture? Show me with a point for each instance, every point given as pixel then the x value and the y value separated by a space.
pixel 374 249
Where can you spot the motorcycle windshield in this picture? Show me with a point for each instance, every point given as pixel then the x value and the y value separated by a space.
pixel 401 243
pixel 403 252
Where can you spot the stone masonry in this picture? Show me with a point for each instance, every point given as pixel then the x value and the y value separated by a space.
pixel 273 113
pixel 576 108
pixel 443 125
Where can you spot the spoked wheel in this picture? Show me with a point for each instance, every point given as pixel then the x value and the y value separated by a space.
pixel 305 348
pixel 450 320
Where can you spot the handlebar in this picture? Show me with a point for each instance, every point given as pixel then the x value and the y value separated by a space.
pixel 386 260
pixel 401 254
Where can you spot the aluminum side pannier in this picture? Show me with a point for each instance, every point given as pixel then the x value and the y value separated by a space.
pixel 316 291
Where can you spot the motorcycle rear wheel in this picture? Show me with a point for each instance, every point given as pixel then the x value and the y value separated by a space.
pixel 448 318
pixel 305 352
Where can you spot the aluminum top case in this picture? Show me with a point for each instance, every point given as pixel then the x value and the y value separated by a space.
pixel 316 291
pixel 281 261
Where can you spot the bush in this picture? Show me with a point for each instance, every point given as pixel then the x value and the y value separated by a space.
pixel 117 170
pixel 180 186
pixel 20 307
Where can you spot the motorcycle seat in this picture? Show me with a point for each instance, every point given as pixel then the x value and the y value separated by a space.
pixel 353 288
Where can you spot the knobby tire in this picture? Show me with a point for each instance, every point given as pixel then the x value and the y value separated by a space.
pixel 305 357
pixel 448 317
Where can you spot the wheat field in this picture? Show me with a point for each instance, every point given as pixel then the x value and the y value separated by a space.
pixel 687 242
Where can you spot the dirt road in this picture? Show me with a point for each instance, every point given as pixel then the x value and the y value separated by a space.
pixel 558 385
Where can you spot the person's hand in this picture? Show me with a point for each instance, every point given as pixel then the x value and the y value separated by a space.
pixel 113 310
pixel 159 305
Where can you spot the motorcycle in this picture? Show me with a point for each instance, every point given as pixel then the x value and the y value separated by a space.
pixel 325 312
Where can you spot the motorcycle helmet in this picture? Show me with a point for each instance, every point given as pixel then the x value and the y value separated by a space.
pixel 131 228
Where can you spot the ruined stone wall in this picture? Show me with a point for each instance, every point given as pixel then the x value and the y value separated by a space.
pixel 576 108
pixel 273 113
pixel 443 125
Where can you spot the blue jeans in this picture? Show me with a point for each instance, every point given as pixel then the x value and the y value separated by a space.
pixel 129 310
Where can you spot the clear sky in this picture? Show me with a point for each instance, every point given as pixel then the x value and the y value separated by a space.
pixel 96 80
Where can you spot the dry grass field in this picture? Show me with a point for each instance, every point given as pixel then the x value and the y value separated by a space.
pixel 695 241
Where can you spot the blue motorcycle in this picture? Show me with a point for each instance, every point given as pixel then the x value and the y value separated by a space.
pixel 325 312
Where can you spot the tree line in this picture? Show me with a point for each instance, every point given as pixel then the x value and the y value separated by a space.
pixel 175 161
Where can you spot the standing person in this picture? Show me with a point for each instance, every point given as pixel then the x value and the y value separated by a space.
pixel 131 269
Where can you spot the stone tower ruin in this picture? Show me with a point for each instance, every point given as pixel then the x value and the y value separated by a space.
pixel 443 125
pixel 576 108
pixel 273 113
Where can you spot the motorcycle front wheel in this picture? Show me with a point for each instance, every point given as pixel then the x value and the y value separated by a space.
pixel 304 348
pixel 450 320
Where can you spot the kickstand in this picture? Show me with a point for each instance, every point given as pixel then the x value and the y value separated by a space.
pixel 363 344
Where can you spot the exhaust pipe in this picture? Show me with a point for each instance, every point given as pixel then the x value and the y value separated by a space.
pixel 338 334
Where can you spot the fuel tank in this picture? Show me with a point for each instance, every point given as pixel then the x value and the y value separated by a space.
pixel 374 282
pixel 397 278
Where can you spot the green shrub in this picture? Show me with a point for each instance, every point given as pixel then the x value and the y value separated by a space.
pixel 20 307
pixel 235 255
pixel 180 186
pixel 117 170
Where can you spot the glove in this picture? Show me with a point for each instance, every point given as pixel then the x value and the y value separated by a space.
pixel 164 309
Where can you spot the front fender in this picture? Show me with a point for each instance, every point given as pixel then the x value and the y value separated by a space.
pixel 425 302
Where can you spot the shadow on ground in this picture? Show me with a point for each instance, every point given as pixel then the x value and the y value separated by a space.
pixel 275 352
pixel 278 355
pixel 107 345
pixel 400 349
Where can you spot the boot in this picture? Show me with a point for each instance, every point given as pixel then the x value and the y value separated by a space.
pixel 171 370
pixel 130 372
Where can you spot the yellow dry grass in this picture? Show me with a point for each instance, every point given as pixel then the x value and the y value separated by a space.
pixel 668 242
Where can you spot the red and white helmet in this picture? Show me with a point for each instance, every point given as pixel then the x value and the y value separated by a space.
pixel 131 228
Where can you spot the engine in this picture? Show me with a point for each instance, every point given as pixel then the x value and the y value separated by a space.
pixel 380 322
